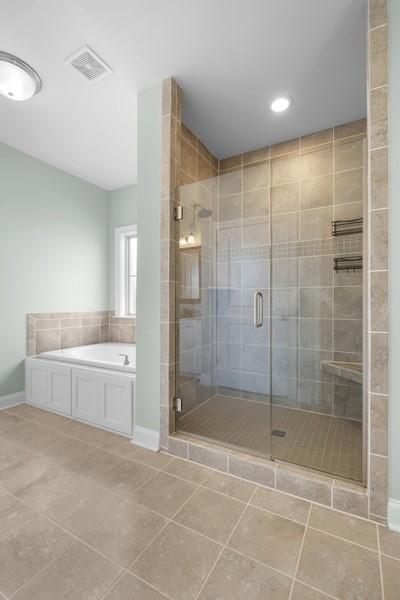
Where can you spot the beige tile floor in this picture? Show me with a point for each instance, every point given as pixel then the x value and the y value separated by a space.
pixel 85 515
pixel 316 441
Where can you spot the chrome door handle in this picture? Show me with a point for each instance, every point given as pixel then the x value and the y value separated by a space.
pixel 258 309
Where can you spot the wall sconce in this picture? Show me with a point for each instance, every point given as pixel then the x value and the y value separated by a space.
pixel 187 241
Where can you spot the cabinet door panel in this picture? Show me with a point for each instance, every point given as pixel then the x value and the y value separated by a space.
pixel 116 403
pixel 36 383
pixel 85 395
pixel 59 388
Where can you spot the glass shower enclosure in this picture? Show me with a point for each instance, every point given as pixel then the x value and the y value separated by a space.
pixel 268 310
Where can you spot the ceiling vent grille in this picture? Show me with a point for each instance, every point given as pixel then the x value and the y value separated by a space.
pixel 89 64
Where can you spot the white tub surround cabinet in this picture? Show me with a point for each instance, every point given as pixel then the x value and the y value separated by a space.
pixel 97 396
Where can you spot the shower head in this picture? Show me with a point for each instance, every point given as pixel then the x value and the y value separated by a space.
pixel 204 213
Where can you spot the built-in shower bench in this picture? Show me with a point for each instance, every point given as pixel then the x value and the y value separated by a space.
pixel 347 370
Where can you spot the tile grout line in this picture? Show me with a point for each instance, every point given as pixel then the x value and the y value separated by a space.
pixel 261 508
pixel 307 526
pixel 132 458
pixel 375 27
pixel 77 538
pixel 298 152
pixel 135 449
pixel 288 519
pixel 308 475
pixel 380 562
pixel 334 293
pixel 43 568
pixel 168 521
pixel 85 479
pixel 300 552
pixel 307 585
pixel 88 480
pixel 69 419
pixel 396 558
pixel 129 573
pixel 259 562
pixel 225 546
pixel 295 212
pixel 112 584
pixel 200 485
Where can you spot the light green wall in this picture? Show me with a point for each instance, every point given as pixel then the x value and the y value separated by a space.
pixel 122 210
pixel 148 299
pixel 56 240
pixel 394 249
pixel 53 251
pixel 141 204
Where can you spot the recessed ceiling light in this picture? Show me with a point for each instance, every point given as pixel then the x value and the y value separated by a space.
pixel 18 81
pixel 281 104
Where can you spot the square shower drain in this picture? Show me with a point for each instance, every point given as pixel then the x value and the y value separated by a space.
pixel 278 433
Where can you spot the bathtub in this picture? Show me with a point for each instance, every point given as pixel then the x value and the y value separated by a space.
pixel 87 383
pixel 104 356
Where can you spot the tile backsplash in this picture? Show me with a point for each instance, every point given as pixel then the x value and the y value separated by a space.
pixel 54 331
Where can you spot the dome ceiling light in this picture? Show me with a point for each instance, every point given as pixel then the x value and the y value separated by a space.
pixel 18 81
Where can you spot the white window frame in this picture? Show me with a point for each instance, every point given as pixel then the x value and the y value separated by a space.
pixel 122 234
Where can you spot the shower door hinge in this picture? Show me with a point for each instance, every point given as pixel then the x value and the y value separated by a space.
pixel 178 213
pixel 178 405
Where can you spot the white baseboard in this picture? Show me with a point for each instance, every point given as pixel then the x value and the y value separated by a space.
pixel 394 514
pixel 146 438
pixel 12 400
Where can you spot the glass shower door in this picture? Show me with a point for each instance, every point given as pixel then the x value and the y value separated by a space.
pixel 223 309
pixel 266 328
pixel 196 302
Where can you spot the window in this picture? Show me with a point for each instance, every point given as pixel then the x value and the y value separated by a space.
pixel 125 270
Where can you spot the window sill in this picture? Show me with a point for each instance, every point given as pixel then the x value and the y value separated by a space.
pixel 115 316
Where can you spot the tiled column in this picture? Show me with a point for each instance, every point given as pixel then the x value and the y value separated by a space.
pixel 378 216
pixel 171 124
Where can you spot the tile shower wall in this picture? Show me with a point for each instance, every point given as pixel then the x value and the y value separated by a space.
pixel 181 328
pixel 378 264
pixel 287 195
pixel 53 331
pixel 196 349
pixel 371 502
pixel 170 176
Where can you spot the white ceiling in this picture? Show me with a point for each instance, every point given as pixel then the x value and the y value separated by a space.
pixel 230 56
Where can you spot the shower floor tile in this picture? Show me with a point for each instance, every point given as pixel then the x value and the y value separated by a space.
pixel 322 442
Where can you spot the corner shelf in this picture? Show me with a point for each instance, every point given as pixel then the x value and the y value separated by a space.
pixel 347 370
